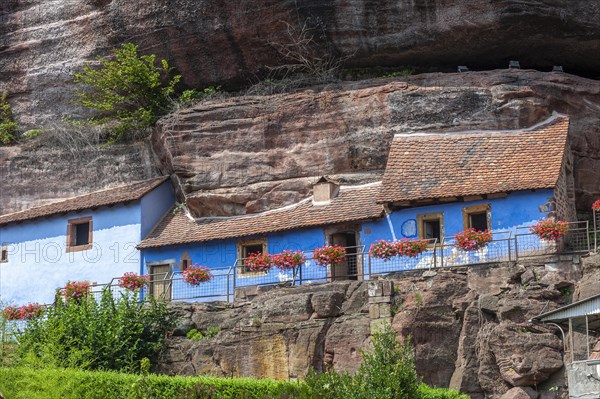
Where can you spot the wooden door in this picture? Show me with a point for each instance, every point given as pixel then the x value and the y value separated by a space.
pixel 160 284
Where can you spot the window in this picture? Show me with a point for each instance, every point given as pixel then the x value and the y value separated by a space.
pixel 4 254
pixel 247 247
pixel 79 234
pixel 431 225
pixel 477 217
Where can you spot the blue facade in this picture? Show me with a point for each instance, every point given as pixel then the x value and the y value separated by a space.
pixel 515 210
pixel 39 262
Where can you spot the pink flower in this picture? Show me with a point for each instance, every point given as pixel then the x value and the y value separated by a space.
pixel 288 259
pixel 132 281
pixel 329 255
pixel 472 240
pixel 550 229
pixel 596 206
pixel 196 274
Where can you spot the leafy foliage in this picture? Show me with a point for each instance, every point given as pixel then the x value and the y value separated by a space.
pixel 109 334
pixel 130 88
pixel 193 95
pixel 387 372
pixel 9 129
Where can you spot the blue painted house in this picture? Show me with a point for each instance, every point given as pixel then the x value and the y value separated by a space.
pixel 91 237
pixel 434 186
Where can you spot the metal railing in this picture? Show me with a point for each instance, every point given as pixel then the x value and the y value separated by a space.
pixel 506 246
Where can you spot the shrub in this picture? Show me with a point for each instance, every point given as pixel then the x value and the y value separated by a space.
pixel 133 282
pixel 190 96
pixel 195 274
pixel 9 129
pixel 110 334
pixel 550 229
pixel 131 89
pixel 258 262
pixel 472 240
pixel 329 255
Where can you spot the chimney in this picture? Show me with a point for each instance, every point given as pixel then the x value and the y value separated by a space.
pixel 324 190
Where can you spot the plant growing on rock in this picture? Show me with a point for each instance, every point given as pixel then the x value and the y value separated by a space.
pixel 550 229
pixel 329 255
pixel 9 129
pixel 472 240
pixel 196 274
pixel 258 262
pixel 131 90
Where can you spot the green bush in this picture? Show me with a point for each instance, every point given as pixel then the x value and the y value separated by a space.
pixel 109 334
pixel 131 89
pixel 9 129
pixel 387 371
pixel 30 383
pixel 427 392
pixel 189 96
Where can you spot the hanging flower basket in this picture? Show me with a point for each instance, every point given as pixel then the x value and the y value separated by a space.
pixel 596 206
pixel 195 274
pixel 75 290
pixel 329 255
pixel 550 229
pixel 383 249
pixel 288 259
pixel 131 281
pixel 472 240
pixel 410 247
pixel 25 312
pixel 257 262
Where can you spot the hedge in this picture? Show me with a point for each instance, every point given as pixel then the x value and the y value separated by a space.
pixel 28 383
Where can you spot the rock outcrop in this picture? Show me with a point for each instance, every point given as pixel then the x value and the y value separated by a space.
pixel 42 42
pixel 463 337
pixel 251 153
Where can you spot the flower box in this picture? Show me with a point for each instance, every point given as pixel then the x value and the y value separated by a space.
pixel 472 240
pixel 288 259
pixel 258 262
pixel 329 255
pixel 410 247
pixel 550 229
pixel 383 249
pixel 75 290
pixel 131 281
pixel 25 312
pixel 195 274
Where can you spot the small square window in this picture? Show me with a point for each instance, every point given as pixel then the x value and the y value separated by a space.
pixel 79 234
pixel 477 217
pixel 245 248
pixel 431 226
pixel 4 254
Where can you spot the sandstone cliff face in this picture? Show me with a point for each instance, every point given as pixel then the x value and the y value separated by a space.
pixel 250 153
pixel 42 42
pixel 469 326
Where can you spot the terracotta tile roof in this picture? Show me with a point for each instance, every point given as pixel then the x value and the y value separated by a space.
pixel 442 165
pixel 111 196
pixel 352 204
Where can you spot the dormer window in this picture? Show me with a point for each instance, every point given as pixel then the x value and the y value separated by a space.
pixel 325 190
pixel 79 234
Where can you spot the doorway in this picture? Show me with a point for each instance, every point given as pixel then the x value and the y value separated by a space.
pixel 351 267
pixel 160 282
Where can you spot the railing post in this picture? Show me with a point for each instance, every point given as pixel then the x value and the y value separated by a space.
pixel 517 246
pixel 300 274
pixel 234 280
pixel 508 244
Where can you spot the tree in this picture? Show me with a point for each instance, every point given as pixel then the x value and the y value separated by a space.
pixel 129 91
pixel 9 129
